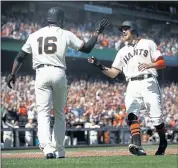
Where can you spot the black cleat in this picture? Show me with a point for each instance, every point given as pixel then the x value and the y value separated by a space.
pixel 162 148
pixel 137 150
pixel 50 156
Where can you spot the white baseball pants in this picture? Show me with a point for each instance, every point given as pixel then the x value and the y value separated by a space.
pixel 145 92
pixel 51 85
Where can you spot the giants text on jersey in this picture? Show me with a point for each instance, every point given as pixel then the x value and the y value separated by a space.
pixel 129 58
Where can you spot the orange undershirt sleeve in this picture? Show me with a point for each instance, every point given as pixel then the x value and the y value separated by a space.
pixel 160 63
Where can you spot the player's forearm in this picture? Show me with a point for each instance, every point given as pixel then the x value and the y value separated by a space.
pixel 88 46
pixel 109 72
pixel 16 66
pixel 18 61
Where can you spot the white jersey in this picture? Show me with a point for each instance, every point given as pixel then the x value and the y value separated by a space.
pixel 129 57
pixel 48 45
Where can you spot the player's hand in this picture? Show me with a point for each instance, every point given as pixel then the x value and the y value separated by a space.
pixel 101 26
pixel 92 60
pixel 143 66
pixel 10 78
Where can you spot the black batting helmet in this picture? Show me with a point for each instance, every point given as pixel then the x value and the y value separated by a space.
pixel 132 25
pixel 55 14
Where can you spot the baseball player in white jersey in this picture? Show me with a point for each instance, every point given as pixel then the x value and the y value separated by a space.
pixel 139 60
pixel 48 47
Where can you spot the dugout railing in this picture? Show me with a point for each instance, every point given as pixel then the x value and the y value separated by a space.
pixel 120 138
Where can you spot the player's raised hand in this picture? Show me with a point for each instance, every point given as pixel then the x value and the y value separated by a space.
pixel 94 61
pixel 10 78
pixel 101 26
pixel 143 66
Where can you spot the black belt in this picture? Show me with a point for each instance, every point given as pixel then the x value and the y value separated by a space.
pixel 141 77
pixel 43 65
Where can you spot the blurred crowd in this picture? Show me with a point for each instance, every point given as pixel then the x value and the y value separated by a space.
pixel 21 26
pixel 89 99
pixel 92 102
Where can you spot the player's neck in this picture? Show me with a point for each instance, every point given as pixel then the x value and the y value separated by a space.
pixel 54 25
pixel 133 41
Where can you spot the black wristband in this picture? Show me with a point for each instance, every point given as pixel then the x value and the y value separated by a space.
pixel 102 67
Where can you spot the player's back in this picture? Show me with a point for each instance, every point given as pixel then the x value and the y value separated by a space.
pixel 49 46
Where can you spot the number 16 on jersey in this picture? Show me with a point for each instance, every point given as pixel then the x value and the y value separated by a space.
pixel 46 46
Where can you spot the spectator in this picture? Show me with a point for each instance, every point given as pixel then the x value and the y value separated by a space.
pixel 16 27
pixel 93 135
pixel 29 134
pixel 10 120
pixel 86 101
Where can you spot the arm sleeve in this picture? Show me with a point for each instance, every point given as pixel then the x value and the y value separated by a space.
pixel 87 47
pixel 21 56
pixel 27 46
pixel 118 63
pixel 154 52
pixel 74 41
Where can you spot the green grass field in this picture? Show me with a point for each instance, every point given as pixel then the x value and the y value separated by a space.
pixel 167 161
pixel 95 162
